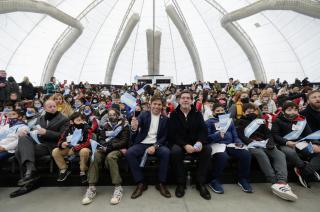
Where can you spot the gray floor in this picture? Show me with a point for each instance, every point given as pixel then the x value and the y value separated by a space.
pixel 54 199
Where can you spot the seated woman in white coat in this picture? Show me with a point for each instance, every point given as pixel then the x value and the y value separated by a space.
pixel 9 134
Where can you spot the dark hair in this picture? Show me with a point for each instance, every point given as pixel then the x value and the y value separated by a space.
pixel 186 91
pixel 19 112
pixel 76 115
pixel 312 92
pixel 216 105
pixel 288 104
pixel 247 106
pixel 157 97
pixel 115 110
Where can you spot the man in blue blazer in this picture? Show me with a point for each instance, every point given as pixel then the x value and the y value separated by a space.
pixel 149 136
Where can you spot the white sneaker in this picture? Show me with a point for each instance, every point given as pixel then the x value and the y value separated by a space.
pixel 283 191
pixel 89 196
pixel 117 195
pixel 317 176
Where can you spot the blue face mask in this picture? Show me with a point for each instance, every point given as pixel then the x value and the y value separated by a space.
pixel 30 114
pixel 77 105
pixel 37 105
pixel 87 112
pixel 102 107
pixel 7 110
pixel 13 121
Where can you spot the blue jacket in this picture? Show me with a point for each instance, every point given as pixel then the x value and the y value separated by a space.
pixel 230 136
pixel 144 120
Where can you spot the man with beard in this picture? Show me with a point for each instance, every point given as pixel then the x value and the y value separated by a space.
pixel 312 112
pixel 50 126
pixel 188 135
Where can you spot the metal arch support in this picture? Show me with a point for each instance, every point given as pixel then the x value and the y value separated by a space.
pixel 112 60
pixel 187 39
pixel 29 33
pixel 127 31
pixel 8 6
pixel 245 43
pixel 305 7
pixel 65 34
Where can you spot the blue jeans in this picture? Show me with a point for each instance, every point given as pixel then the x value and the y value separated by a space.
pixel 5 155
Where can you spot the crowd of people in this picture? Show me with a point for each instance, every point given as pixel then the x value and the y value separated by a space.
pixel 276 123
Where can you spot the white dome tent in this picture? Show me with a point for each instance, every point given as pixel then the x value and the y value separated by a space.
pixel 280 41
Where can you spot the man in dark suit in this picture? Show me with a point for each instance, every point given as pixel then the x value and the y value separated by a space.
pixel 50 127
pixel 188 135
pixel 149 134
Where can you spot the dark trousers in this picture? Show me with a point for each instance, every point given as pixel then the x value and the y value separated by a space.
pixel 5 155
pixel 177 156
pixel 134 155
pixel 220 161
pixel 28 150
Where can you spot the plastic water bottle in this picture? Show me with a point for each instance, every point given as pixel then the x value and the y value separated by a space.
pixel 144 159
pixel 197 146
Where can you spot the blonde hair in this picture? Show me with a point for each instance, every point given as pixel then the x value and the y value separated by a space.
pixel 26 80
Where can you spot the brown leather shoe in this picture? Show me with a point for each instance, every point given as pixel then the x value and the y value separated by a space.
pixel 163 190
pixel 141 187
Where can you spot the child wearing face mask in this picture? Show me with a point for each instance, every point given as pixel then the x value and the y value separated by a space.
pixel 9 135
pixel 38 106
pixel 90 118
pixel 74 141
pixel 228 136
pixel 267 116
pixel 290 128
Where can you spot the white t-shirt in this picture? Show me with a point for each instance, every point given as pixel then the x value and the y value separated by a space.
pixel 152 134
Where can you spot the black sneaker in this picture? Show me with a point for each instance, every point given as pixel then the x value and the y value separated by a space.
pixel 302 179
pixel 63 175
pixel 33 176
pixel 83 178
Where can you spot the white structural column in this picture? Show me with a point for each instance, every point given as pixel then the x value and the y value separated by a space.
pixel 187 39
pixel 128 29
pixel 153 51
pixel 307 7
pixel 8 6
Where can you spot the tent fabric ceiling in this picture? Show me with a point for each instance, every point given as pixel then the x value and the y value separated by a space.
pixel 288 42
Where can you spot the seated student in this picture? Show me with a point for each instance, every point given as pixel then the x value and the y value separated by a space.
pixel 62 106
pixel 114 138
pixel 149 137
pixel 90 118
pixel 288 129
pixel 235 148
pixel 254 133
pixel 31 117
pixel 9 136
pixel 101 111
pixel 72 143
pixel 269 117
